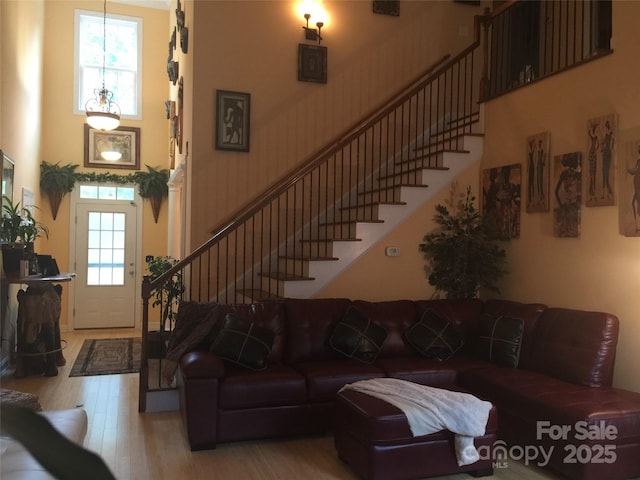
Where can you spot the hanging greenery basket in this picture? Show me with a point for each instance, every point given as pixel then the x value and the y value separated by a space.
pixel 55 182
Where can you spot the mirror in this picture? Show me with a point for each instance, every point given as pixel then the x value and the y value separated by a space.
pixel 7 175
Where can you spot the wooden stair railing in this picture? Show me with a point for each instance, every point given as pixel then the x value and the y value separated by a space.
pixel 273 239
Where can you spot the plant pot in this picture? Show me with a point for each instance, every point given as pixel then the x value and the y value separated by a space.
pixel 55 198
pixel 156 203
pixel 157 344
pixel 12 253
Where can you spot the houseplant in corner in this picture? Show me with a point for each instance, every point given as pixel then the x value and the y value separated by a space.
pixel 167 297
pixel 55 182
pixel 152 184
pixel 461 255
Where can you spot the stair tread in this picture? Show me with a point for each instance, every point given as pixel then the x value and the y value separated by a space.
pixel 307 240
pixel 284 276
pixel 383 189
pixel 308 258
pixel 347 222
pixel 371 204
pixel 410 171
pixel 257 294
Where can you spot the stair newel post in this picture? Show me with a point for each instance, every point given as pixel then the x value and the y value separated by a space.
pixel 144 366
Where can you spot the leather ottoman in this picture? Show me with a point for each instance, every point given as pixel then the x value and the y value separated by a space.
pixel 374 439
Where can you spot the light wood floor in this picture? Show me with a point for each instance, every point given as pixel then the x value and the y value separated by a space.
pixel 153 446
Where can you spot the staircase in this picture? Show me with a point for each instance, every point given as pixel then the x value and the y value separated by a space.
pixel 366 224
pixel 306 229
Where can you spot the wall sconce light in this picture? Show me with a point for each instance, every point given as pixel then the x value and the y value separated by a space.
pixel 312 33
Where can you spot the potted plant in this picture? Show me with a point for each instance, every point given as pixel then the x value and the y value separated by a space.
pixel 167 297
pixel 18 231
pixel 56 181
pixel 152 184
pixel 461 255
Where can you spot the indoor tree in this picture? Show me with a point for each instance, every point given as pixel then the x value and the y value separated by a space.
pixel 461 255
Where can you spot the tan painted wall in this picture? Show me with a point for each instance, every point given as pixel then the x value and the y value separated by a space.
pixel 601 269
pixel 251 46
pixel 37 85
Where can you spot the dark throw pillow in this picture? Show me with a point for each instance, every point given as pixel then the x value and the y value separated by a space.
pixel 357 337
pixel 500 338
pixel 243 343
pixel 434 337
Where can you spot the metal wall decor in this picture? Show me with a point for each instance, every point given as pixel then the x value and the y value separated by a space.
pixel 567 192
pixel 312 63
pixel 387 7
pixel 600 182
pixel 538 167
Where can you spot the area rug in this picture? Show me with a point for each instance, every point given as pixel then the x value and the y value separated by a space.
pixel 107 356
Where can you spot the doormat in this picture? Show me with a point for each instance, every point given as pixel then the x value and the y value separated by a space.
pixel 107 356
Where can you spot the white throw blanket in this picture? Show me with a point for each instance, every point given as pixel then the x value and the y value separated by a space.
pixel 430 409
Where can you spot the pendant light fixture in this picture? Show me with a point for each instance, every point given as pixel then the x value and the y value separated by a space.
pixel 102 112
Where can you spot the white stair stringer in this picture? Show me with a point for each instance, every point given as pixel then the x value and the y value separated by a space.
pixel 369 234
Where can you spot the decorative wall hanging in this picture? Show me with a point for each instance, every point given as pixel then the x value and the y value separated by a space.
pixel 501 191
pixel 233 110
pixel 123 142
pixel 630 189
pixel 538 173
pixel 312 63
pixel 567 175
pixel 600 182
pixel 173 69
pixel 184 39
pixel 387 7
pixel 178 120
pixel 179 16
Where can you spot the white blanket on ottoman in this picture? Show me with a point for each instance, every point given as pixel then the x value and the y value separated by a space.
pixel 430 409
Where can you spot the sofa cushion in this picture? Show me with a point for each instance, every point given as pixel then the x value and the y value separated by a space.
pixel 309 324
pixel 499 339
pixel 395 316
pixel 243 343
pixel 357 337
pixel 276 386
pixel 419 369
pixel 463 313
pixel 434 337
pixel 528 312
pixel 325 378
pixel 585 341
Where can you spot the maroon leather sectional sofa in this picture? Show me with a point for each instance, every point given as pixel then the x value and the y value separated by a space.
pixel 559 397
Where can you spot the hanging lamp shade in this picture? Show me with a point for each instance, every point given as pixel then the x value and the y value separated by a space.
pixel 102 112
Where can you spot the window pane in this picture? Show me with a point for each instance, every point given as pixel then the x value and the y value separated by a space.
pixel 94 239
pixel 106 239
pixel 118 221
pixel 106 221
pixel 125 193
pixel 118 276
pixel 118 239
pixel 93 277
pixel 107 193
pixel 122 62
pixel 88 191
pixel 94 221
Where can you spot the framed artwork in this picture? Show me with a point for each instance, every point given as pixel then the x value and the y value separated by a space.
pixel 233 111
pixel 567 181
pixel 312 63
pixel 501 200
pixel 538 173
pixel 600 180
pixel 7 175
pixel 122 145
pixel 630 189
pixel 387 7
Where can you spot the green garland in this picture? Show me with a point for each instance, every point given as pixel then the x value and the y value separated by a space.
pixel 106 177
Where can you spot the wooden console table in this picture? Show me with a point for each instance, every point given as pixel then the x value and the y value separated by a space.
pixel 38 342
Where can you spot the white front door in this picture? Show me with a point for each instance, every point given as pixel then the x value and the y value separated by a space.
pixel 105 264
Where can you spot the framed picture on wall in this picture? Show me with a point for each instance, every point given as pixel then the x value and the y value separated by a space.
pixel 233 110
pixel 630 188
pixel 538 173
pixel 312 63
pixel 119 148
pixel 567 190
pixel 501 194
pixel 600 178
